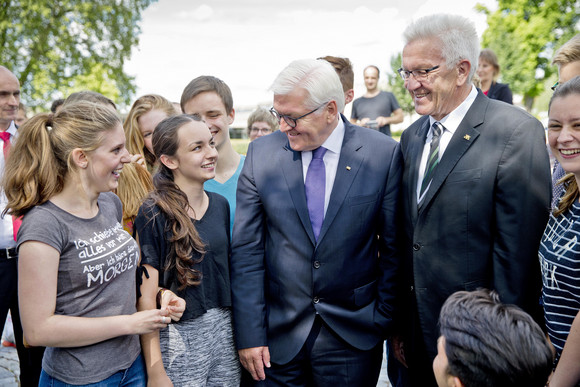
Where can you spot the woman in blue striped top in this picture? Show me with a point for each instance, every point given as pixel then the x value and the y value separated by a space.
pixel 560 247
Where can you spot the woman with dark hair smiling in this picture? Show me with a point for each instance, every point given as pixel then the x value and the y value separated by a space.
pixel 185 243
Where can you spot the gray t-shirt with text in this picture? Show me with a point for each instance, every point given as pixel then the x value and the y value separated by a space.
pixel 96 278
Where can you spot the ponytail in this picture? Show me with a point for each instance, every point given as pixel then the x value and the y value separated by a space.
pixel 41 158
pixel 32 173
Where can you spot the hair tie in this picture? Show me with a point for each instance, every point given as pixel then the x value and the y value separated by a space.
pixel 48 123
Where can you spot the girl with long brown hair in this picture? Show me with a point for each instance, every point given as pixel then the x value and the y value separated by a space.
pixel 184 236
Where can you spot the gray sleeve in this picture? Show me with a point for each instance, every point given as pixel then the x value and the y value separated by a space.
pixel 353 113
pixel 394 102
pixel 42 226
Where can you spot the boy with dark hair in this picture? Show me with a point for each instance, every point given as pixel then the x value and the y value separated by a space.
pixel 211 99
pixel 485 343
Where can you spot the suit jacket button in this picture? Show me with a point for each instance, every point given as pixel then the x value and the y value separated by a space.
pixel 316 264
pixel 316 300
pixel 416 246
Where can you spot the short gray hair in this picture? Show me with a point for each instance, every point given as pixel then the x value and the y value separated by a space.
pixel 317 77
pixel 457 35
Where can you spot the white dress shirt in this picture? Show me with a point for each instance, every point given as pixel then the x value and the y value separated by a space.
pixel 450 122
pixel 333 144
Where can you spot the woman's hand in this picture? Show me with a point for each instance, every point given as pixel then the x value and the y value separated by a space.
pixel 148 321
pixel 138 159
pixel 174 305
pixel 159 380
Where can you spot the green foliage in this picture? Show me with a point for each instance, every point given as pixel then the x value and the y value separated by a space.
pixel 524 34
pixel 56 47
pixel 398 86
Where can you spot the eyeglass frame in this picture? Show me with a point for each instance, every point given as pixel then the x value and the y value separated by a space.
pixel 291 122
pixel 414 73
pixel 261 130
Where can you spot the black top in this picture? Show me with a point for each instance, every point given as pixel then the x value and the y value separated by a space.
pixel 501 92
pixel 214 229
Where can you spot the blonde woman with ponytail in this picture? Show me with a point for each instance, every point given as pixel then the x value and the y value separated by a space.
pixel 560 246
pixel 76 263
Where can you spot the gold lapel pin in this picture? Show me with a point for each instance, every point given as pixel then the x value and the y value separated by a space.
pixel 467 137
pixel 347 168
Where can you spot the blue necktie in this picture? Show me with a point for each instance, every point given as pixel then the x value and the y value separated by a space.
pixel 315 186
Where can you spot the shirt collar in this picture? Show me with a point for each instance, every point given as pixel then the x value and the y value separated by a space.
pixel 12 129
pixel 452 120
pixel 334 142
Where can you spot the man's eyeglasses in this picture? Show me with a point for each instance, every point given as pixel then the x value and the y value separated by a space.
pixel 420 75
pixel 555 86
pixel 291 122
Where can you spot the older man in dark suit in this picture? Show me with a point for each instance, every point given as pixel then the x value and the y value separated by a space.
pixel 312 296
pixel 475 191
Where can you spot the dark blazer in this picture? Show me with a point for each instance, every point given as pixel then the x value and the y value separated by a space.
pixel 501 92
pixel 281 277
pixel 482 219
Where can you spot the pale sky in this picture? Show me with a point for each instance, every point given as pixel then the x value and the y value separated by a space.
pixel 247 43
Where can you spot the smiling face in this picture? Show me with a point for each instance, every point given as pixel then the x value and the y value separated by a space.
pixel 444 88
pixel 147 123
pixel 104 164
pixel 210 107
pixel 196 156
pixel 564 132
pixel 311 131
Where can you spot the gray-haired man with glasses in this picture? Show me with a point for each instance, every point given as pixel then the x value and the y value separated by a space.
pixel 314 263
pixel 475 191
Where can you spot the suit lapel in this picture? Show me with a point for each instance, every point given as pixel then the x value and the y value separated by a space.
pixel 291 162
pixel 462 139
pixel 417 143
pixel 349 164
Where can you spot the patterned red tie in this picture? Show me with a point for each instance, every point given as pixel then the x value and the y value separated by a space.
pixel 5 136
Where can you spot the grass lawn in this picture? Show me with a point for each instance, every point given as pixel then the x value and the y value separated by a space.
pixel 241 144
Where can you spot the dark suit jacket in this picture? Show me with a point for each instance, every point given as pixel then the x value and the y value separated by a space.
pixel 501 92
pixel 482 219
pixel 281 277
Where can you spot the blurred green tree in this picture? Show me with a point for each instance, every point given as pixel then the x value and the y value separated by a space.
pixel 56 47
pixel 525 34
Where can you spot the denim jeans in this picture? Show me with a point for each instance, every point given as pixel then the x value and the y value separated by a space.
pixel 134 376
